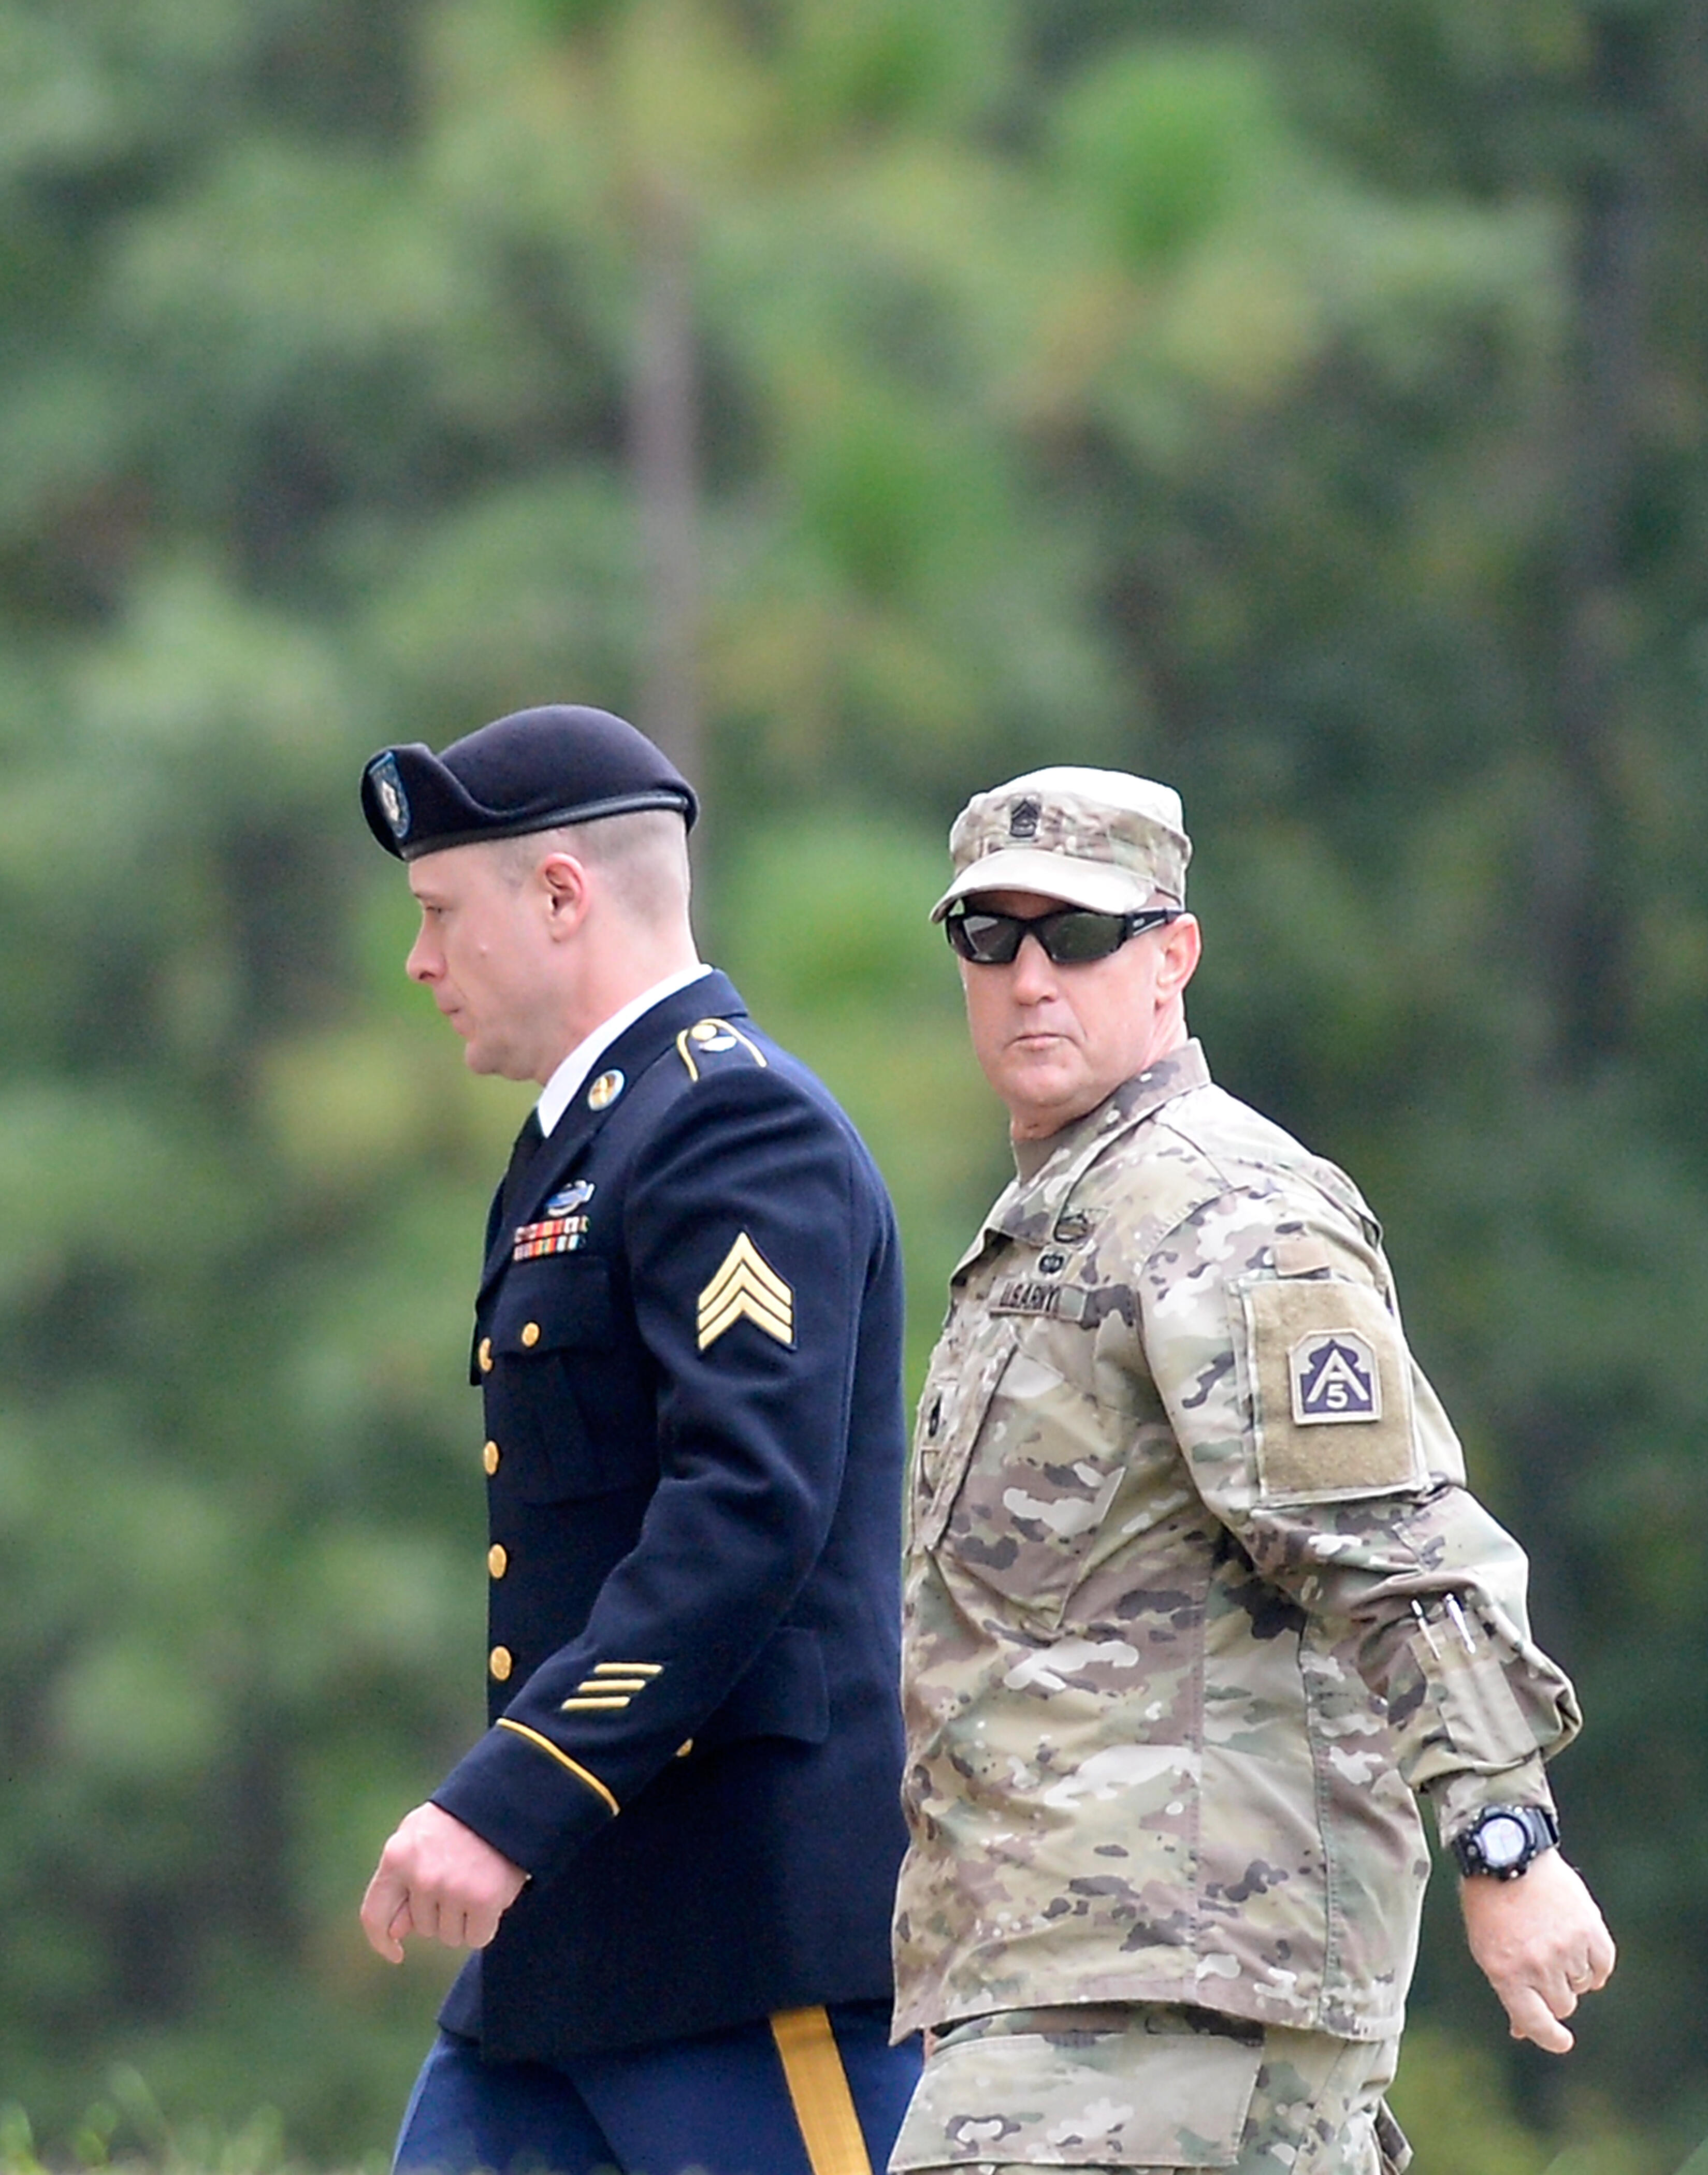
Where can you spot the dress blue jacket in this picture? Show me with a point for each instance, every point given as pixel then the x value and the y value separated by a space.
pixel 688 1338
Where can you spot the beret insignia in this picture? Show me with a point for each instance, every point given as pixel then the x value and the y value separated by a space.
pixel 394 802
pixel 558 763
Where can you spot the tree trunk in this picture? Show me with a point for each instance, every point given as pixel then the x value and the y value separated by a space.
pixel 1581 913
pixel 664 435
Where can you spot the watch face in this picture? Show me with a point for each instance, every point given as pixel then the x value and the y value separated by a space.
pixel 1503 1841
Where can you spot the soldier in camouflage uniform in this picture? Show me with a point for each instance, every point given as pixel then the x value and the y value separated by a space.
pixel 1198 1603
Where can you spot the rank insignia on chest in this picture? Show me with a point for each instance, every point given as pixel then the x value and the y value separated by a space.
pixel 553 1234
pixel 1335 1377
pixel 569 1198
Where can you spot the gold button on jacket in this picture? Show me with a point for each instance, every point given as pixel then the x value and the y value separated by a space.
pixel 489 1457
pixel 500 1662
pixel 497 1559
pixel 530 1333
pixel 485 1355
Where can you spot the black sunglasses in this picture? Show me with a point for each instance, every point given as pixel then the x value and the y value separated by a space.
pixel 1071 935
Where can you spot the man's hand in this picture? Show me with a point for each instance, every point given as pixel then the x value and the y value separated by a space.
pixel 437 1879
pixel 1541 1943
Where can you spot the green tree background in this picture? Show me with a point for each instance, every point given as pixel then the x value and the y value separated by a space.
pixel 1305 403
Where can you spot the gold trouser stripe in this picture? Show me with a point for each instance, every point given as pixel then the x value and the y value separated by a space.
pixel 817 2084
pixel 562 1758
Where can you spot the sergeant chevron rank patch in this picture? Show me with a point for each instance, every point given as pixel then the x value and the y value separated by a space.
pixel 747 1286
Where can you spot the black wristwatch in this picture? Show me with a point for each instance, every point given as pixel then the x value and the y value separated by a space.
pixel 1505 1841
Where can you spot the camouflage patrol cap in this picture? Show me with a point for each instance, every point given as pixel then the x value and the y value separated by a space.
pixel 1098 838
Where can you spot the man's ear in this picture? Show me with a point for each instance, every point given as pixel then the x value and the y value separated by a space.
pixel 1183 942
pixel 567 892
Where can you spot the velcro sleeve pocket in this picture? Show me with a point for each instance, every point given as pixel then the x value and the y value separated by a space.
pixel 1330 1384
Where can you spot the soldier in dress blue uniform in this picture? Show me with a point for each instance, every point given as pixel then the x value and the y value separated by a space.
pixel 673 1853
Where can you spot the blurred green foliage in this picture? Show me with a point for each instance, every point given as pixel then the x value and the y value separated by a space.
pixel 1306 404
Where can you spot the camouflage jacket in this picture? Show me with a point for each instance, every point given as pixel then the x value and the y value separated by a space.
pixel 1196 1596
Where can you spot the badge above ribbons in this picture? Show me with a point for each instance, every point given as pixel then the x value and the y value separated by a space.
pixel 1331 1390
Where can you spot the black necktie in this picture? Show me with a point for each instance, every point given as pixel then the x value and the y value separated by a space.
pixel 516 1177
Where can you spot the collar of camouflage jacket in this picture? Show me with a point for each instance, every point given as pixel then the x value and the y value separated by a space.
pixel 1029 1208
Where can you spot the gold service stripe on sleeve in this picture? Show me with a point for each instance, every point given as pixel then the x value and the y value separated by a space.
pixel 562 1758
pixel 586 1705
pixel 628 1668
pixel 817 2084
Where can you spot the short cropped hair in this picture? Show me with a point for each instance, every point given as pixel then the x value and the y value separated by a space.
pixel 642 858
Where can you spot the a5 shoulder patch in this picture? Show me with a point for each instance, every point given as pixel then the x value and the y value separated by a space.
pixel 710 1042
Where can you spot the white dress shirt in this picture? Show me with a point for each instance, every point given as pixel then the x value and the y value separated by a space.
pixel 565 1084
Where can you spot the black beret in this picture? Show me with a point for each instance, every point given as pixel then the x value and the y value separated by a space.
pixel 528 771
